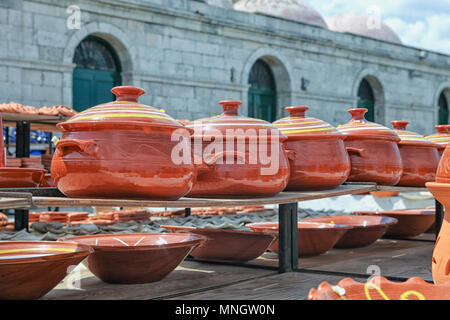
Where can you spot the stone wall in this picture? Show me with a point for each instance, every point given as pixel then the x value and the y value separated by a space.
pixel 188 55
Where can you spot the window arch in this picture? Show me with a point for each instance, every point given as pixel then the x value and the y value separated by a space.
pixel 97 54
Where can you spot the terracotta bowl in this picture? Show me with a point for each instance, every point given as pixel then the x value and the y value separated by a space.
pixel 365 229
pixel 28 270
pixel 47 181
pixel 227 245
pixel 136 257
pixel 21 177
pixel 379 288
pixel 313 238
pixel 384 193
pixel 411 222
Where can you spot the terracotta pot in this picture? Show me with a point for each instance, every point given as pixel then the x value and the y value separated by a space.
pixel 420 157
pixel 365 229
pixel 21 177
pixel 379 288
pixel 320 160
pixel 384 193
pixel 374 154
pixel 410 222
pixel 136 257
pixel 442 137
pixel 28 270
pixel 227 245
pixel 47 181
pixel 313 238
pixel 236 168
pixel 121 149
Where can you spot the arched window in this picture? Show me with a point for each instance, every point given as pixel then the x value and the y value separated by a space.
pixel 97 71
pixel 366 99
pixel 443 109
pixel 262 92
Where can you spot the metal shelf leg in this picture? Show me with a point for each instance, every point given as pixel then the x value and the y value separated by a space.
pixel 20 219
pixel 287 238
pixel 439 217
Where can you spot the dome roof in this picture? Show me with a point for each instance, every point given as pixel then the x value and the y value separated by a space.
pixel 364 26
pixel 289 9
pixel 221 3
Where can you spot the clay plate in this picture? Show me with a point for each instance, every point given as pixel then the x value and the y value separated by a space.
pixel 379 288
pixel 365 229
pixel 313 238
pixel 25 267
pixel 225 245
pixel 21 177
pixel 136 257
pixel 410 222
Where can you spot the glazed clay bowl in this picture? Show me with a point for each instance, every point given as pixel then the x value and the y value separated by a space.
pixel 21 177
pixel 410 222
pixel 313 238
pixel 136 257
pixel 227 245
pixel 28 270
pixel 365 229
pixel 379 288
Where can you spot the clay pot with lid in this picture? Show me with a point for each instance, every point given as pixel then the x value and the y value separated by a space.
pixel 442 137
pixel 373 150
pixel 237 156
pixel 121 149
pixel 420 157
pixel 321 160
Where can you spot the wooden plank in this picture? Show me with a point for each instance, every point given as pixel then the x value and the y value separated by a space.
pixel 35 118
pixel 281 198
pixel 286 286
pixel 401 189
pixel 10 200
pixel 188 278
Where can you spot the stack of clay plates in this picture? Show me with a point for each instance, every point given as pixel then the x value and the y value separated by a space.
pixel 79 217
pixel 54 216
pixel 33 162
pixel 128 215
pixel 46 160
pixel 33 216
pixel 13 162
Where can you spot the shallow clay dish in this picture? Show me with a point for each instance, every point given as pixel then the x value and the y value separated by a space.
pixel 28 270
pixel 21 177
pixel 136 257
pixel 411 222
pixel 313 238
pixel 379 288
pixel 227 245
pixel 365 229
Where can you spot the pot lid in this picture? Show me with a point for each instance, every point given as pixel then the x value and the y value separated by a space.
pixel 442 137
pixel 231 120
pixel 359 127
pixel 125 111
pixel 297 125
pixel 410 138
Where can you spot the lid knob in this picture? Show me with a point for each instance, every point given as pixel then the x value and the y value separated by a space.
pixel 443 128
pixel 230 107
pixel 358 113
pixel 127 93
pixel 297 111
pixel 399 125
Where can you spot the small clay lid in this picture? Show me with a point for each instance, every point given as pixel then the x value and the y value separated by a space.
pixel 299 126
pixel 231 121
pixel 442 137
pixel 125 111
pixel 360 128
pixel 410 138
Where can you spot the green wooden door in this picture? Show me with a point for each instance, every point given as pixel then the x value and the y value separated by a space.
pixel 92 87
pixel 369 105
pixel 443 109
pixel 262 104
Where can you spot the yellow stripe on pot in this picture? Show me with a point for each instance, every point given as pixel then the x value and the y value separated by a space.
pixel 306 130
pixel 37 249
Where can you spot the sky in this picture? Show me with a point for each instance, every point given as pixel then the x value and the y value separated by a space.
pixel 419 23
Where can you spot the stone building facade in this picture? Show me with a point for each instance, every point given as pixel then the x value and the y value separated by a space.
pixel 189 54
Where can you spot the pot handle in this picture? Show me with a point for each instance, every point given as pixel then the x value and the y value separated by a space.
pixel 87 146
pixel 224 154
pixel 355 151
pixel 291 154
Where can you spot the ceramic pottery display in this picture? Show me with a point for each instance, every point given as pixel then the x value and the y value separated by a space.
pixel 365 229
pixel 320 159
pixel 239 156
pixel 313 238
pixel 21 177
pixel 136 257
pixel 28 270
pixel 379 288
pixel 374 154
pixel 224 245
pixel 121 149
pixel 420 157
pixel 410 222
pixel 442 137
